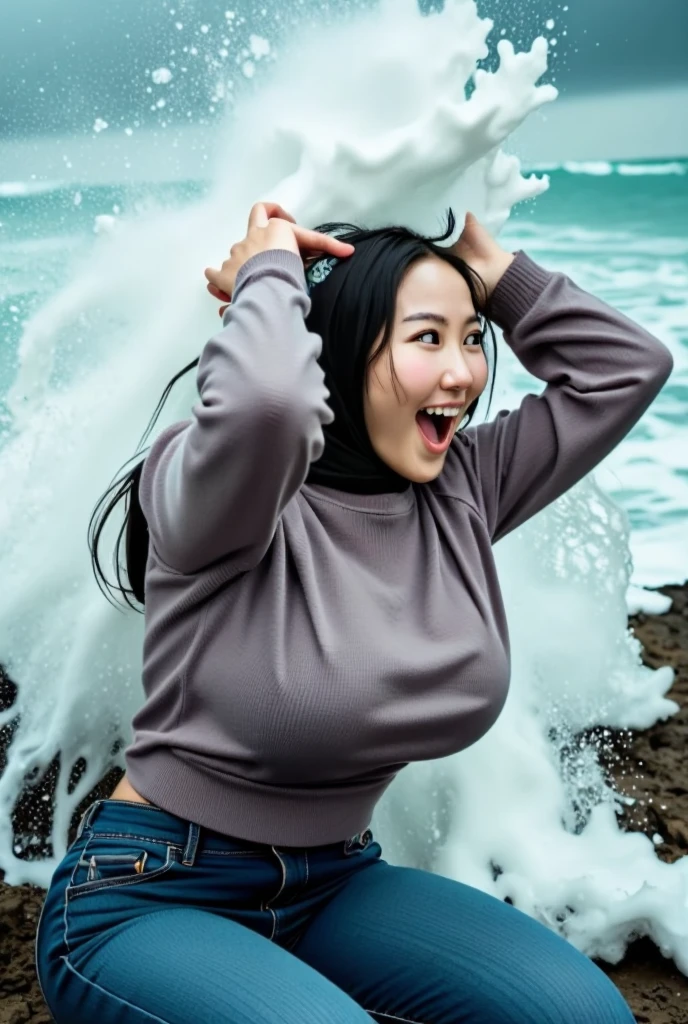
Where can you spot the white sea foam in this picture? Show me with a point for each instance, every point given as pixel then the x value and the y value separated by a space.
pixel 672 167
pixel 596 167
pixel 13 189
pixel 648 601
pixel 601 168
pixel 383 137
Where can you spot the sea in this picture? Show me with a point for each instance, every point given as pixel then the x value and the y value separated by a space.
pixel 620 230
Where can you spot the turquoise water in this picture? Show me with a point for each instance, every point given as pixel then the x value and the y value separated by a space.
pixel 622 234
pixel 619 230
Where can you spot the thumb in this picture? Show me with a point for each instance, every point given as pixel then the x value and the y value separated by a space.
pixel 476 234
pixel 468 222
pixel 258 217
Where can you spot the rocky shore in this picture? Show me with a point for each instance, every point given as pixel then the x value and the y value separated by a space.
pixel 654 761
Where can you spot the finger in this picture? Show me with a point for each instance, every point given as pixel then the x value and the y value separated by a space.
pixel 213 276
pixel 315 241
pixel 258 216
pixel 275 210
pixel 217 293
pixel 222 309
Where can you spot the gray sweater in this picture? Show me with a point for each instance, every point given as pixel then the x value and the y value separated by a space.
pixel 304 644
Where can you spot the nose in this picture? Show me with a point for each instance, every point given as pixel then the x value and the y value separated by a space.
pixel 456 374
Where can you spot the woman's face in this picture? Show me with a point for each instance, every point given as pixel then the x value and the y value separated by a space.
pixel 435 345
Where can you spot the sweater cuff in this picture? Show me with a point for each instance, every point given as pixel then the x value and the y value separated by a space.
pixel 517 290
pixel 272 259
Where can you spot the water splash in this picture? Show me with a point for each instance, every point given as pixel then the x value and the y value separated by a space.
pixel 527 813
pixel 389 133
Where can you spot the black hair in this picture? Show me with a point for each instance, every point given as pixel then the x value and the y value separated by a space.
pixel 365 306
pixel 353 311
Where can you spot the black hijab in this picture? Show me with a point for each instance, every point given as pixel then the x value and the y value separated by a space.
pixel 342 304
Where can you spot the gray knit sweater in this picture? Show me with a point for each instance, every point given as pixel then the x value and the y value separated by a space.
pixel 304 644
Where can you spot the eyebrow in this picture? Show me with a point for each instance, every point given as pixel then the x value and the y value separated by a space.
pixel 438 319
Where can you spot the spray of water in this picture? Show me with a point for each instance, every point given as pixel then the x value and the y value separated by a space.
pixel 388 134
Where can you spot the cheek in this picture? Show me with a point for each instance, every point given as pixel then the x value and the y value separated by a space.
pixel 480 375
pixel 416 372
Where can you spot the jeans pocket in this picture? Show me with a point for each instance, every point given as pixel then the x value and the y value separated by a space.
pixel 108 862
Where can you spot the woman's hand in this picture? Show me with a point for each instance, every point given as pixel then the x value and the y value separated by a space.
pixel 270 227
pixel 478 249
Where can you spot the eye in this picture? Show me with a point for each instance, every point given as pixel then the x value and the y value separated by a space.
pixel 477 336
pixel 425 334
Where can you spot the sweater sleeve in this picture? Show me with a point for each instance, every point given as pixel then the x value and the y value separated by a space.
pixel 602 372
pixel 215 487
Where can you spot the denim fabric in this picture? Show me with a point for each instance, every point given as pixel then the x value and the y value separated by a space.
pixel 153 918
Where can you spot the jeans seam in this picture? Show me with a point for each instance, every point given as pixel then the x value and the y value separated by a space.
pixel 266 905
pixel 393 1016
pixel 122 1002
pixel 35 956
pixel 229 853
pixel 66 897
pixel 284 879
pixel 134 835
pixel 297 892
pixel 177 846
pixel 134 803
pixel 88 813
pixel 64 912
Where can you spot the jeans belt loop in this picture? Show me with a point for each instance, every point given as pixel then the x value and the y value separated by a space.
pixel 191 844
pixel 359 841
pixel 87 817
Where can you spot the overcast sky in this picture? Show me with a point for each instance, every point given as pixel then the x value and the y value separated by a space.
pixel 64 63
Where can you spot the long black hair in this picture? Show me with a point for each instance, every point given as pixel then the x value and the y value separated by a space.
pixel 373 280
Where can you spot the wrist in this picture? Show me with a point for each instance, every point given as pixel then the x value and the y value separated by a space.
pixel 518 291
pixel 280 259
pixel 499 269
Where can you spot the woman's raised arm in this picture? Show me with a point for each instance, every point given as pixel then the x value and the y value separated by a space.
pixel 602 372
pixel 215 487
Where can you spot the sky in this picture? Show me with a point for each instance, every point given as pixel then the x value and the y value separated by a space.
pixel 66 63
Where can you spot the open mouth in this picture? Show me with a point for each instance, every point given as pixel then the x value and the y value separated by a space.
pixel 437 430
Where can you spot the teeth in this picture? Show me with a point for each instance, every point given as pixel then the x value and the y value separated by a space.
pixel 437 411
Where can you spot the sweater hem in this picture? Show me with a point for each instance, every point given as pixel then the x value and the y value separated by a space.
pixel 257 812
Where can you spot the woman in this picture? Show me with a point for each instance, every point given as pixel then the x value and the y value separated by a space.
pixel 322 607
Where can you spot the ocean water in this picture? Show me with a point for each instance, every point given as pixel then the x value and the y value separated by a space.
pixel 619 230
pixel 102 301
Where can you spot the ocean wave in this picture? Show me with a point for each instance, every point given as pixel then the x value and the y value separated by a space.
pixel 672 167
pixel 602 168
pixel 17 189
pixel 596 167
pixel 577 241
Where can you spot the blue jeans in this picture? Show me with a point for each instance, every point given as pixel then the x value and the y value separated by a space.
pixel 153 918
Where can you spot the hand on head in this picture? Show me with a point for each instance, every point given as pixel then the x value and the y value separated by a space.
pixel 481 252
pixel 270 227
